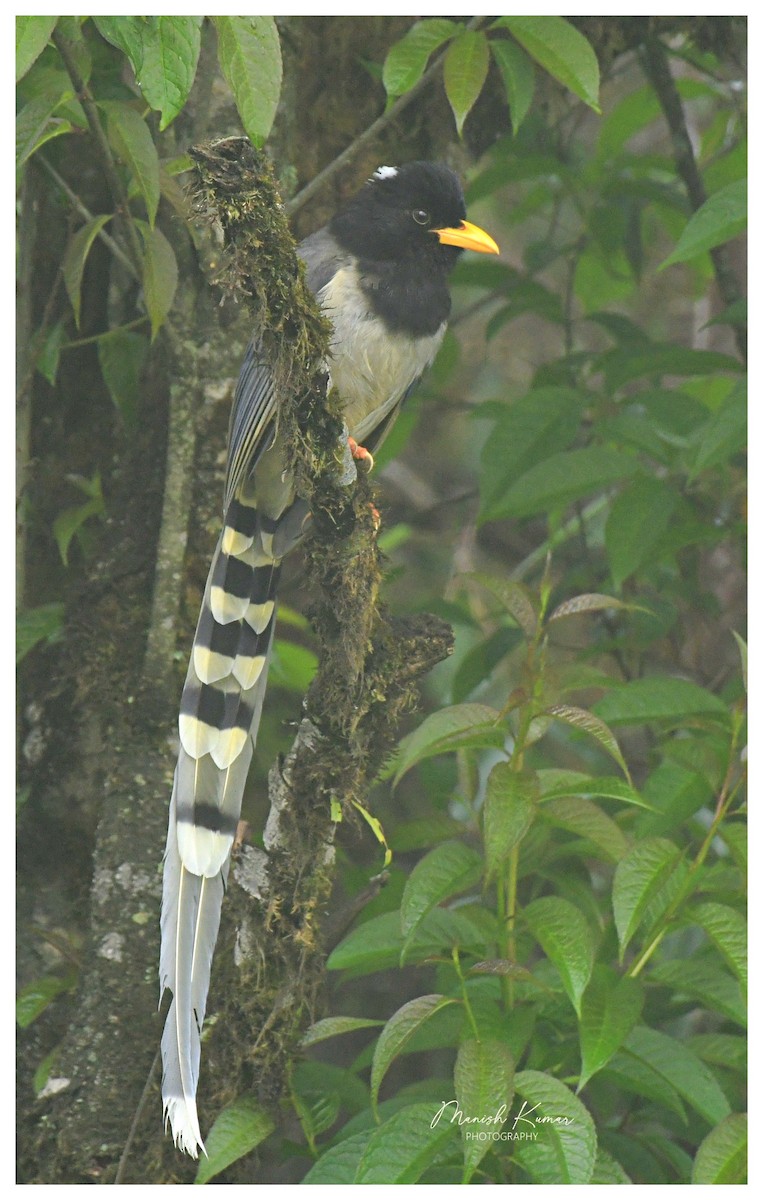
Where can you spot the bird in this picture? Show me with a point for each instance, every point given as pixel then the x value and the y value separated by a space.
pixel 379 270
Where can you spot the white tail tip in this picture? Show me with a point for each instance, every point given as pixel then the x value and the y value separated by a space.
pixel 184 1122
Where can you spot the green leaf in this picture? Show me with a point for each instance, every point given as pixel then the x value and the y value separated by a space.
pixel 481 660
pixel 673 1061
pixel 424 832
pixel 510 805
pixel 722 1155
pixel 169 56
pixel 581 816
pixel 292 666
pixel 70 521
pixel 339 1164
pixel 238 1129
pixel 581 719
pixel 377 944
pixel 567 939
pixel 713 988
pixel 722 217
pixel 634 112
pixel 585 603
pixel 43 1072
pixel 32 36
pixel 46 350
pixel 658 699
pixel 625 364
pixel 725 433
pixel 727 929
pixel 121 355
pixel 733 314
pixel 564 1150
pixel 460 727
pixel 36 996
pixel 406 61
pixel 403 1147
pixel 542 422
pixel 608 1170
pixel 333 1026
pixel 631 1074
pixel 448 869
pixel 126 34
pixel 515 598
pixel 562 51
pixel 163 52
pixel 484 1082
pixel 742 646
pixel 160 276
pixel 638 878
pixel 75 257
pixel 611 1007
pixel 637 520
pixel 33 126
pixel 131 140
pixel 398 1031
pixel 721 1049
pixel 35 625
pixel 558 480
pixel 675 794
pixel 250 58
pixel 734 834
pixel 518 77
pixel 464 73
pixel 575 783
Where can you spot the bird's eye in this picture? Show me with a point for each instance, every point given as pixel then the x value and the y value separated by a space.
pixel 420 216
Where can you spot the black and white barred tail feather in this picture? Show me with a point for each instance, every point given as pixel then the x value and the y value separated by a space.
pixel 219 716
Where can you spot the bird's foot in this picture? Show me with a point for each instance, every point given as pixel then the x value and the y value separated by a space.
pixel 360 454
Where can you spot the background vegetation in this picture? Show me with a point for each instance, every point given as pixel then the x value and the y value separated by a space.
pixel 562 920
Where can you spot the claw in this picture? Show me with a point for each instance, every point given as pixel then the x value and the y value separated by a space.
pixel 361 454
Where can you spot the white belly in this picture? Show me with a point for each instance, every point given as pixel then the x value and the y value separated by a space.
pixel 371 368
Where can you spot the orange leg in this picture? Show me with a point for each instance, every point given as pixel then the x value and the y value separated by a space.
pixel 361 454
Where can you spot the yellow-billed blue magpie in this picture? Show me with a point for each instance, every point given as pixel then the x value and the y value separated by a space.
pixel 380 271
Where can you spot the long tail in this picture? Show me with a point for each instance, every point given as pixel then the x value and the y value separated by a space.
pixel 219 717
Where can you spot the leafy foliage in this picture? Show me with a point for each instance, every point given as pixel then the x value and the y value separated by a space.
pixel 608 914
pixel 563 929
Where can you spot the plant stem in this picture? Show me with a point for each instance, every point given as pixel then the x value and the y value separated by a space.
pixel 464 994
pixel 90 108
pixel 657 69
pixel 85 212
pixel 725 799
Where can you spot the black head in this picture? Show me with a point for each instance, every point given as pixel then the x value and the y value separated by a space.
pixel 395 217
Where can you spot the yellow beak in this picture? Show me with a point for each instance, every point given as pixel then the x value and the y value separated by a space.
pixel 468 237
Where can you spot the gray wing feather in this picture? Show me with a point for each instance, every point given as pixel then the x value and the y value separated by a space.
pixel 251 415
pixel 251 424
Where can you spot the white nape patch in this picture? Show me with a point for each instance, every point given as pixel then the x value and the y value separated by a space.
pixel 385 173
